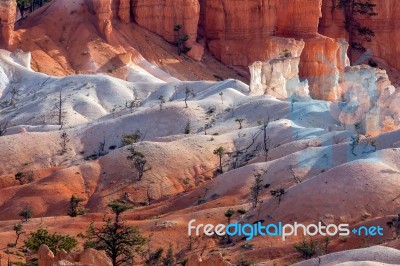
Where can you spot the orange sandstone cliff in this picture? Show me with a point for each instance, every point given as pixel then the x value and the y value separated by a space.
pixel 8 9
pixel 386 26
pixel 238 33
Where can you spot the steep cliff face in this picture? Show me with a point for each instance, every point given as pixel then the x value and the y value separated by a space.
pixel 240 40
pixel 298 18
pixel 322 61
pixel 161 16
pixel 87 257
pixel 103 11
pixel 7 20
pixel 124 10
pixel 241 32
pixel 278 77
pixel 386 26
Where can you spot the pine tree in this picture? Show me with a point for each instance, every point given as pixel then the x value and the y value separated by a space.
pixel 220 152
pixel 118 240
pixel 353 9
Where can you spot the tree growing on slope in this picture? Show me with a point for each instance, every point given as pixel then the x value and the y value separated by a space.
pixel 220 151
pixel 24 178
pixel 26 213
pixel 221 94
pixel 129 139
pixel 266 139
pixel 18 229
pixel 306 249
pixel 63 143
pixel 395 225
pixel 21 4
pixel 169 259
pixel 75 207
pixel 187 128
pixel 55 241
pixel 3 127
pixel 352 9
pixel 181 39
pixel 161 101
pixel 60 111
pixel 240 121
pixel 132 104
pixel 139 162
pixel 228 214
pixel 255 189
pixel 188 93
pixel 278 194
pixel 118 240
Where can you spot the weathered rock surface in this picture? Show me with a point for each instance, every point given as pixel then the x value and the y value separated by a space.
pixel 161 16
pixel 372 256
pixel 241 40
pixel 212 260
pixel 88 257
pixel 124 10
pixel 322 61
pixel 385 26
pixel 45 256
pixel 368 98
pixel 103 11
pixel 241 32
pixel 279 77
pixel 7 20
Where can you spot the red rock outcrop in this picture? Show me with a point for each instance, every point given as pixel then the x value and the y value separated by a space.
pixel 124 10
pixel 386 26
pixel 242 39
pixel 103 11
pixel 89 257
pixel 298 18
pixel 241 32
pixel 213 260
pixel 7 20
pixel 160 16
pixel 322 61
pixel 274 77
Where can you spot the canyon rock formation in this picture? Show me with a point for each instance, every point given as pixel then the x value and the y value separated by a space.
pixel 242 32
pixel 88 257
pixel 385 26
pixel 279 77
pixel 102 10
pixel 239 33
pixel 215 259
pixel 8 9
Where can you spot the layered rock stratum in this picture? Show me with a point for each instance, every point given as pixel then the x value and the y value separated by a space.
pixel 237 33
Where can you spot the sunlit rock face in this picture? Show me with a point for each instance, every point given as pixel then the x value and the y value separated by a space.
pixel 239 33
pixel 385 26
pixel 86 257
pixel 279 77
pixel 161 16
pixel 103 12
pixel 368 99
pixel 7 20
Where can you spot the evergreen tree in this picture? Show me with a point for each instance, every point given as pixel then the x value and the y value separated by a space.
pixel 74 206
pixel 118 240
pixel 353 9
pixel 54 241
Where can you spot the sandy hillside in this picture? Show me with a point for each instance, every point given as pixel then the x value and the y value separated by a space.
pixel 64 39
pixel 325 175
